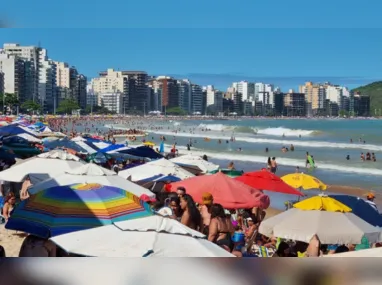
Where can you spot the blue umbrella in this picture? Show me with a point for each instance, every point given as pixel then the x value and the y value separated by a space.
pixel 142 151
pixel 360 208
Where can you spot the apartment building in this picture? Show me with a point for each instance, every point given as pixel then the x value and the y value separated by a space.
pixel 1 82
pixel 294 104
pixel 247 89
pixel 196 99
pixel 12 70
pixel 214 102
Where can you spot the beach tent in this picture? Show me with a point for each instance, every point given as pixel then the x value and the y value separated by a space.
pixel 142 151
pixel 41 167
pixel 154 236
pixel 160 166
pixel 91 173
pixel 330 227
pixel 189 159
pixel 228 192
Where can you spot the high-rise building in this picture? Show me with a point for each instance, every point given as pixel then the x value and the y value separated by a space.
pixel 279 103
pixel 262 88
pixel 155 88
pixel 196 99
pixel 359 105
pixel 113 101
pixel 12 69
pixel 214 100
pixel 247 90
pixel 1 82
pixel 78 90
pixel 170 92
pixel 315 95
pixel 31 55
pixel 184 93
pixel 47 82
pixel 294 104
pixel 136 97
pixel 238 103
pixel 91 97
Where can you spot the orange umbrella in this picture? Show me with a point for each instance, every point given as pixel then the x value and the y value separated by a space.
pixel 228 192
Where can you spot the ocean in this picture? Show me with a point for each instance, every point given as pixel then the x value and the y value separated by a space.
pixel 328 140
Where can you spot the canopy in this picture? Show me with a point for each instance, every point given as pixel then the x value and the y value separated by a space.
pixel 29 138
pixel 64 209
pixel 203 165
pixel 112 147
pixel 64 143
pixel 142 151
pixel 360 208
pixel 91 173
pixel 13 130
pixel 160 166
pixel 266 180
pixel 228 192
pixel 304 181
pixel 38 169
pixel 330 227
pixel 322 202
pixel 154 236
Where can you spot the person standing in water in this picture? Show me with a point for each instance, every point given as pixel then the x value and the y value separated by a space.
pixel 273 165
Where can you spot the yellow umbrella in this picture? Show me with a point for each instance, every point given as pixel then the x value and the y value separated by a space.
pixel 322 203
pixel 149 143
pixel 304 181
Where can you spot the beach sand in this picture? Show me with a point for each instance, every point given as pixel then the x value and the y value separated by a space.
pixel 11 241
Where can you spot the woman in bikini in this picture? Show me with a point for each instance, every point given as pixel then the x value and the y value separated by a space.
pixel 220 228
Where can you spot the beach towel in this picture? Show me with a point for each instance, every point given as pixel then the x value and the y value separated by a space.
pixel 364 244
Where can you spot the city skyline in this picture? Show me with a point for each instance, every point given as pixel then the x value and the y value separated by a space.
pixel 282 60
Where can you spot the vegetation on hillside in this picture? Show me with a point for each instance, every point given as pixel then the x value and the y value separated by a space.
pixel 374 90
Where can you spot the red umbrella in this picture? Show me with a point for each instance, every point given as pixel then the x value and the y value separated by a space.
pixel 266 180
pixel 228 192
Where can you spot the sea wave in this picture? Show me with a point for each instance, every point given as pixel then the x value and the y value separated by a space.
pixel 281 142
pixel 281 161
pixel 278 131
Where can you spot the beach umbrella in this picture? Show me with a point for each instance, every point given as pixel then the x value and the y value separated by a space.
pixel 153 236
pixel 160 166
pixel 142 151
pixel 228 192
pixel 266 180
pixel 330 227
pixel 204 166
pixel 149 144
pixel 91 173
pixel 65 209
pixel 303 181
pixel 360 208
pixel 41 167
pixel 322 203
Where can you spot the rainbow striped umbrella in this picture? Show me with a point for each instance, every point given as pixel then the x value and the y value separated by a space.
pixel 70 208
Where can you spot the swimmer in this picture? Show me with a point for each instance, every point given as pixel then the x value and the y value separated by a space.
pixel 239 149
pixel 348 157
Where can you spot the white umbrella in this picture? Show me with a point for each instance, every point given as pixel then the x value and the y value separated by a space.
pixel 40 167
pixel 330 227
pixel 195 160
pixel 370 252
pixel 153 168
pixel 91 173
pixel 59 154
pixel 153 236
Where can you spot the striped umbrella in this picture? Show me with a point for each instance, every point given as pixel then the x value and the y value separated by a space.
pixel 70 208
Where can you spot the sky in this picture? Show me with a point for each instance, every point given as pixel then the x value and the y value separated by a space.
pixel 210 42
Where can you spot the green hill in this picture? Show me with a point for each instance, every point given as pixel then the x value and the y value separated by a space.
pixel 374 90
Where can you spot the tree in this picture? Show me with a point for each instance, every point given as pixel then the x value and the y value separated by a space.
pixel 31 106
pixel 11 101
pixel 176 111
pixel 67 106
